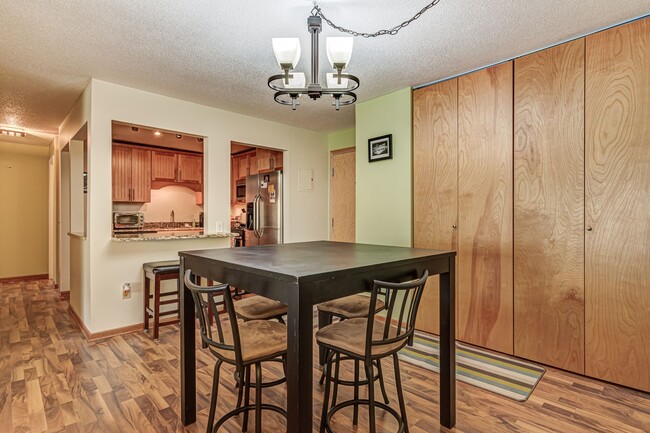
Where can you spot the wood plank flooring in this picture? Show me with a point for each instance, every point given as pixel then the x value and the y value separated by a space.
pixel 53 380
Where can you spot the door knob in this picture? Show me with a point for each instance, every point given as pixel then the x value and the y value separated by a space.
pixel 453 226
pixel 589 228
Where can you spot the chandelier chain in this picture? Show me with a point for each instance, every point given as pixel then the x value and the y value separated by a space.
pixel 316 11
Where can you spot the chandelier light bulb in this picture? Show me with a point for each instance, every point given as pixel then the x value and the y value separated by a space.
pixel 339 51
pixel 297 80
pixel 287 52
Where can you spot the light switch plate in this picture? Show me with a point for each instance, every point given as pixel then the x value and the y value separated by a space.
pixel 219 226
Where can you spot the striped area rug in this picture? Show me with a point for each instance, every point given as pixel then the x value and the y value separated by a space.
pixel 500 374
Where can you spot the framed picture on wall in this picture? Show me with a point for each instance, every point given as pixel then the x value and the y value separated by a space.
pixel 380 148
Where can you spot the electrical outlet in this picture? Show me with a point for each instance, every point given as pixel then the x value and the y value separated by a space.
pixel 219 226
pixel 126 290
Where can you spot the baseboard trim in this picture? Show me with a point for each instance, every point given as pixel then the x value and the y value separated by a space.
pixel 23 278
pixel 103 334
pixel 64 295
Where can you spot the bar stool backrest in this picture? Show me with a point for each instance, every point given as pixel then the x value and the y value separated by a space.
pixel 204 301
pixel 402 303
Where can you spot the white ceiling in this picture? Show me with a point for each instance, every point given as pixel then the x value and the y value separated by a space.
pixel 218 52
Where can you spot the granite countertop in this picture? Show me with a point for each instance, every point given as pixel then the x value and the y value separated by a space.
pixel 169 235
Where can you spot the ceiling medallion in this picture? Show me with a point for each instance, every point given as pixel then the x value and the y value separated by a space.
pixel 290 85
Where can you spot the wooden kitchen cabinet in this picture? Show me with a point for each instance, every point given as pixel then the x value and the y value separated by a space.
pixel 190 168
pixel 549 290
pixel 164 166
pixel 268 160
pixel 242 171
pixel 131 174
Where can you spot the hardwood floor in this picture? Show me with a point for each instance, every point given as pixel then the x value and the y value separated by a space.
pixel 53 380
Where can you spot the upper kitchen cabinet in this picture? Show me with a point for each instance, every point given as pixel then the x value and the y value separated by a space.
pixel 164 165
pixel 131 174
pixel 268 160
pixel 190 168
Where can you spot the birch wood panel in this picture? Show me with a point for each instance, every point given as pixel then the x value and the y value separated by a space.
pixel 617 196
pixel 140 175
pixel 343 195
pixel 163 166
pixel 435 183
pixel 549 206
pixel 121 171
pixel 485 291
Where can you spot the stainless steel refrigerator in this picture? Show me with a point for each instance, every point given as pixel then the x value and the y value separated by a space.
pixel 264 209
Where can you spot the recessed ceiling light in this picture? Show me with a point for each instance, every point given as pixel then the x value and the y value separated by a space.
pixel 12 132
pixel 179 136
pixel 157 133
pixel 135 129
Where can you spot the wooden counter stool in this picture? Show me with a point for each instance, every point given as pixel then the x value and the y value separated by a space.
pixel 160 271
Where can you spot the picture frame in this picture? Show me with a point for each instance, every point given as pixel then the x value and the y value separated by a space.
pixel 380 148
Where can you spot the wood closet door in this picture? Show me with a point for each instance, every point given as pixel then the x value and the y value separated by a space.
pixel 485 108
pixel 343 195
pixel 549 206
pixel 435 183
pixel 617 195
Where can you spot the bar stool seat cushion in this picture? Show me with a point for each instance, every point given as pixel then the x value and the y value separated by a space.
pixel 350 336
pixel 259 308
pixel 350 307
pixel 259 339
pixel 162 267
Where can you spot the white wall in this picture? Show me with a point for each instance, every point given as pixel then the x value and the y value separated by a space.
pixel 73 123
pixel 113 263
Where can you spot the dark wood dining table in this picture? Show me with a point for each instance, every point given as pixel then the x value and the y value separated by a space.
pixel 302 275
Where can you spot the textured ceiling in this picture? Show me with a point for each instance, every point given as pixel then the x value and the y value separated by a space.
pixel 218 52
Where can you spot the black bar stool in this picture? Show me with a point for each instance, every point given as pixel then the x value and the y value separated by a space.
pixel 368 340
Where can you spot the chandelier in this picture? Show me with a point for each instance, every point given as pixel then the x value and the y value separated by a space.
pixel 290 85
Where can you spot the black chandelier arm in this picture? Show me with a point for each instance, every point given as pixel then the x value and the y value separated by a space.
pixel 303 91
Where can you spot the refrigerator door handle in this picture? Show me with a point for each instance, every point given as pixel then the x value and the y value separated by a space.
pixel 256 219
pixel 258 212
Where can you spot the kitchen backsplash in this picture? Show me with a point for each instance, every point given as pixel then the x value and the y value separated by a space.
pixel 177 198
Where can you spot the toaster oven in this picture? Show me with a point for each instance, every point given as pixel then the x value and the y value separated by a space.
pixel 128 220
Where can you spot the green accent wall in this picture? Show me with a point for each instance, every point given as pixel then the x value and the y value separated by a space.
pixel 341 139
pixel 384 192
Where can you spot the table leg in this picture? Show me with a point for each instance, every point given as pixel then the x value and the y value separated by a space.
pixel 188 351
pixel 300 322
pixel 448 346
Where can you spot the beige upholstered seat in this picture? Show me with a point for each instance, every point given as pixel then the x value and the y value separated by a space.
pixel 350 307
pixel 350 336
pixel 259 339
pixel 259 308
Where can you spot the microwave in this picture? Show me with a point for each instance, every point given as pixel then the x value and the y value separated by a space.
pixel 240 191
pixel 128 220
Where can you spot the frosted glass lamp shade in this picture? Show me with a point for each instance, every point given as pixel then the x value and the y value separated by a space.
pixel 297 82
pixel 333 82
pixel 287 52
pixel 339 51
